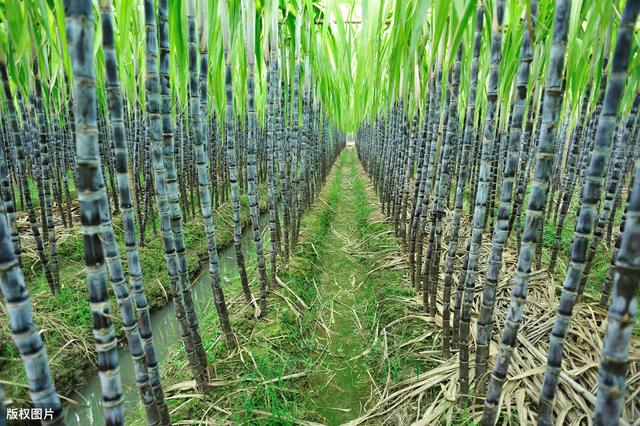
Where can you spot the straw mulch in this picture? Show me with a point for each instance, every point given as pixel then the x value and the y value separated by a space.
pixel 433 397
pixel 28 242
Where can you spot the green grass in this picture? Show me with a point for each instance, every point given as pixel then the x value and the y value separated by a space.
pixel 33 189
pixel 65 319
pixel 403 365
pixel 288 341
pixel 291 340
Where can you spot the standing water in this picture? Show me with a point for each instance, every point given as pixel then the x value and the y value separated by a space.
pixel 165 334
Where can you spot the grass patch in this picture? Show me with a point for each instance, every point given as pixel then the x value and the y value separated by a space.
pixel 64 319
pixel 289 362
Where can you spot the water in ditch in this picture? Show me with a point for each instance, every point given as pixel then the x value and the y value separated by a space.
pixel 165 334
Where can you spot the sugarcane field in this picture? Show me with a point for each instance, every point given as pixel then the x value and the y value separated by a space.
pixel 319 212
